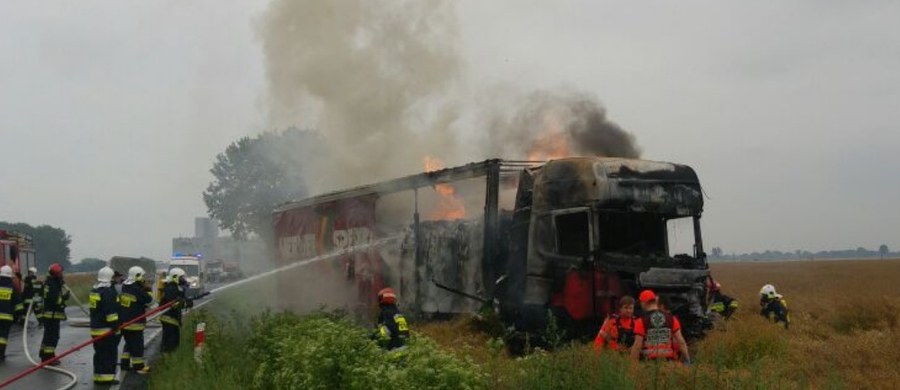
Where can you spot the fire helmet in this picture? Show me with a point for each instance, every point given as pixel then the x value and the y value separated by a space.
pixel 715 286
pixel 136 273
pixel 32 270
pixel 55 269
pixel 105 275
pixel 768 291
pixel 6 271
pixel 175 274
pixel 387 296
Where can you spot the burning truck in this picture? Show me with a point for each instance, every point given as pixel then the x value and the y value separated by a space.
pixel 567 237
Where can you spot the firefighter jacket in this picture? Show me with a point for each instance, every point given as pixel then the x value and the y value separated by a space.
pixel 10 301
pixel 658 329
pixel 54 299
pixel 391 330
pixel 104 309
pixel 174 292
pixel 33 286
pixel 133 303
pixel 723 304
pixel 775 309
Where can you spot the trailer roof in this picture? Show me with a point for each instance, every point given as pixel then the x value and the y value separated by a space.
pixel 426 179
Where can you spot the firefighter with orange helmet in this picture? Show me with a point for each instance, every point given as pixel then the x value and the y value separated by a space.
pixel 391 329
pixel 55 297
pixel 657 334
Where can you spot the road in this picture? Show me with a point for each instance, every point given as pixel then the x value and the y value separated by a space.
pixel 72 332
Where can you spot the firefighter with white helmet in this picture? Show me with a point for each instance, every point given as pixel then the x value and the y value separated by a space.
pixel 773 305
pixel 10 306
pixel 104 318
pixel 175 290
pixel 133 303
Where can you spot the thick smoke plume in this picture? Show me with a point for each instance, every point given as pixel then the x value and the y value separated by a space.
pixel 370 76
pixel 382 82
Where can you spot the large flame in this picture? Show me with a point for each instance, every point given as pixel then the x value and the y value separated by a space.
pixel 450 205
pixel 552 143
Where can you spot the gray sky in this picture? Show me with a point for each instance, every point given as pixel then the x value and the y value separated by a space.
pixel 111 113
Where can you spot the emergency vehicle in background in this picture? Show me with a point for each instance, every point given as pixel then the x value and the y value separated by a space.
pixel 17 251
pixel 193 272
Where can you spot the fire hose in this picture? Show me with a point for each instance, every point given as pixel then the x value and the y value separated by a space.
pixel 31 359
pixel 45 363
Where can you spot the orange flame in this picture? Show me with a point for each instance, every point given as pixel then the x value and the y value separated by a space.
pixel 552 144
pixel 450 205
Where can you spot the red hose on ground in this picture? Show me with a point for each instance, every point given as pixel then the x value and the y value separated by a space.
pixel 84 344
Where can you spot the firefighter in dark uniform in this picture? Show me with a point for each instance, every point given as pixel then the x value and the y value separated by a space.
pixel 773 306
pixel 391 329
pixel 55 297
pixel 104 318
pixel 10 307
pixel 33 286
pixel 721 304
pixel 133 303
pixel 657 334
pixel 174 290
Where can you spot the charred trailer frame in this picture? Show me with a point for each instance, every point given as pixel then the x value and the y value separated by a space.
pixel 587 231
pixel 436 285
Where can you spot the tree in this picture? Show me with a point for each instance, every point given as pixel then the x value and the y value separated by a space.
pixel 716 252
pixel 51 243
pixel 883 251
pixel 255 175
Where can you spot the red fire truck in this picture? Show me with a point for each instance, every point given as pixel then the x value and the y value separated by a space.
pixel 16 251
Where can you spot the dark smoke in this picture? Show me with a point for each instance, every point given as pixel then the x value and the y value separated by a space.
pixel 574 120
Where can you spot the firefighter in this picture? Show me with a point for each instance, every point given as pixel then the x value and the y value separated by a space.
pixel 391 330
pixel 174 290
pixel 773 306
pixel 10 306
pixel 657 334
pixel 54 297
pixel 721 304
pixel 105 318
pixel 32 287
pixel 133 303
pixel 618 330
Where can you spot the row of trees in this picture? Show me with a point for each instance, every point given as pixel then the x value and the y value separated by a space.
pixel 859 253
pixel 52 243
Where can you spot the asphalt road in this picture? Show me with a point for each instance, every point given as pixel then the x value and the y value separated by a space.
pixel 72 332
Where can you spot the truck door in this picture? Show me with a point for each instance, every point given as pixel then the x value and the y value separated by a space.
pixel 572 262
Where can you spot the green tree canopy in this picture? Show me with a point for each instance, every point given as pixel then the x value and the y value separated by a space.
pixel 51 243
pixel 89 264
pixel 254 175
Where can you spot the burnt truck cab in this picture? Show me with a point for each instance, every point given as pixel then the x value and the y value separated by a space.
pixel 586 231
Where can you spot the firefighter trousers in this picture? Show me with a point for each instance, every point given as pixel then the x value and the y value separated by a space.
pixel 171 336
pixel 4 336
pixel 51 338
pixel 133 353
pixel 105 356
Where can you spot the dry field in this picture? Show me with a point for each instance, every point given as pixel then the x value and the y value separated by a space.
pixel 844 335
pixel 845 318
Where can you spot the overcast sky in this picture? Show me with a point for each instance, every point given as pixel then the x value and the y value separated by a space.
pixel 111 112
